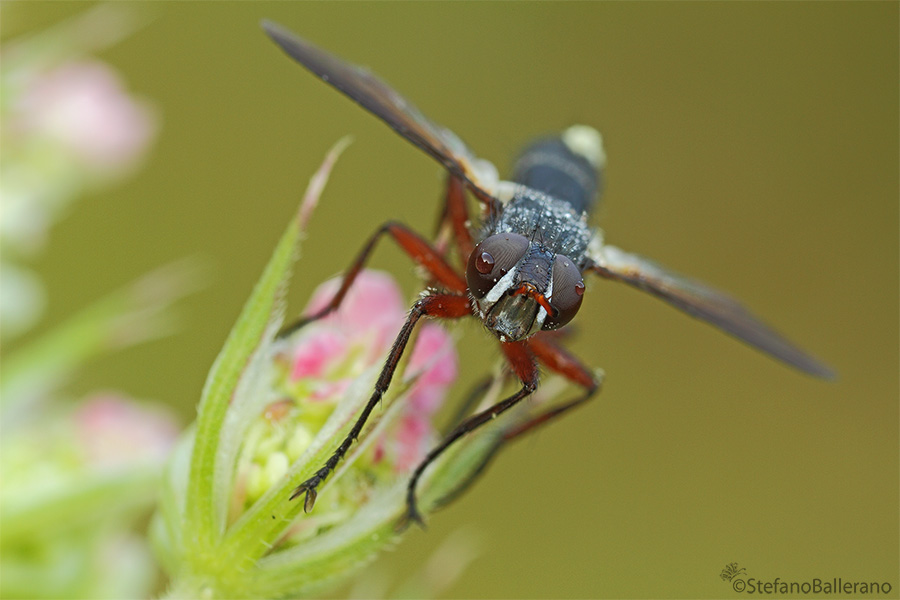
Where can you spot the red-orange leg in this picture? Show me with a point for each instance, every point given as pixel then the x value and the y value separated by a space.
pixel 558 360
pixel 414 245
pixel 455 215
pixel 522 362
pixel 442 306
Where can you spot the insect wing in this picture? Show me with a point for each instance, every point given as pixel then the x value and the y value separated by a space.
pixel 705 303
pixel 385 103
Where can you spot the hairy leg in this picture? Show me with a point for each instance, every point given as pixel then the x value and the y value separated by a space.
pixel 446 306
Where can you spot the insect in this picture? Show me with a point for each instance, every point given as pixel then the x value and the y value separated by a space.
pixel 524 267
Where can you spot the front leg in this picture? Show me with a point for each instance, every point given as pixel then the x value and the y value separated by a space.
pixel 549 353
pixel 521 359
pixel 443 306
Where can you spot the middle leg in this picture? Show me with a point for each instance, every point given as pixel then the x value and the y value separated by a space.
pixel 416 247
pixel 549 353
pixel 522 362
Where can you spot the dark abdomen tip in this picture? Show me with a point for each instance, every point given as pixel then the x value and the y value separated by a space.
pixel 568 167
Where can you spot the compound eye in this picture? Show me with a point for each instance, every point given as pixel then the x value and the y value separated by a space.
pixel 492 259
pixel 567 293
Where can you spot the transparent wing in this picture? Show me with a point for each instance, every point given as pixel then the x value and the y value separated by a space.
pixel 705 303
pixel 385 103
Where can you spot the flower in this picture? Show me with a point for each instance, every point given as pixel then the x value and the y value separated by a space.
pixel 314 370
pixel 68 125
pixel 75 482
pixel 114 433
pixel 79 476
pixel 273 410
pixel 364 327
pixel 82 107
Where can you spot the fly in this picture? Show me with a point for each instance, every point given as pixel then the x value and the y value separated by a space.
pixel 524 267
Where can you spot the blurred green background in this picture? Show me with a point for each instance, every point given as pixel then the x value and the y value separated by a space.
pixel 754 146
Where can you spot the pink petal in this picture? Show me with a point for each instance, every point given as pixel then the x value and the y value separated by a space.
pixel 330 390
pixel 84 106
pixel 411 443
pixel 115 430
pixel 317 352
pixel 373 305
pixel 435 362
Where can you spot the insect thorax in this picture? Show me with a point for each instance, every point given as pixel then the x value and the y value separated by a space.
pixel 549 222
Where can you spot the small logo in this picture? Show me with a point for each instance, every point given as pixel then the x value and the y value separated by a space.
pixel 731 571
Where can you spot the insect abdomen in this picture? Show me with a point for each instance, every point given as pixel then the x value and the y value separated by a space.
pixel 568 167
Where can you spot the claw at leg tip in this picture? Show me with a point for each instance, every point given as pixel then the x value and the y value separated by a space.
pixel 310 500
pixel 413 516
pixel 407 520
pixel 418 520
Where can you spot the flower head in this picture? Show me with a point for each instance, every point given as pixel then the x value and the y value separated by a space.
pixel 68 125
pixel 83 108
pixel 75 482
pixel 274 409
pixel 315 370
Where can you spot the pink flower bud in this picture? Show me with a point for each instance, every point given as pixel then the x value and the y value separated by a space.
pixel 84 107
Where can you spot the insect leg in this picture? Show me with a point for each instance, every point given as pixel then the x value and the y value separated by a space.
pixel 472 399
pixel 413 245
pixel 455 214
pixel 561 361
pixel 558 360
pixel 521 359
pixel 446 306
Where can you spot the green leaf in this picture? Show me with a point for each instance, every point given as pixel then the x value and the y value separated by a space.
pixel 136 313
pixel 203 519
